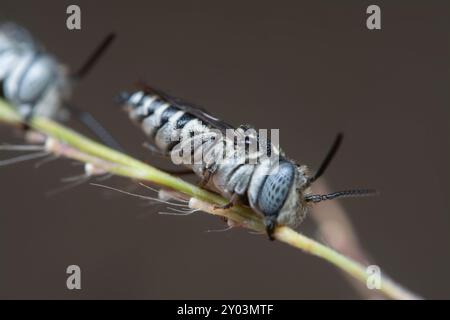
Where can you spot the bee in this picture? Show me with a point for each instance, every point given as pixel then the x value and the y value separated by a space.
pixel 277 190
pixel 36 83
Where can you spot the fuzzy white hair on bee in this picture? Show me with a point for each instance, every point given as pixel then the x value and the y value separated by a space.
pixel 277 190
pixel 36 83
pixel 32 79
pixel 283 198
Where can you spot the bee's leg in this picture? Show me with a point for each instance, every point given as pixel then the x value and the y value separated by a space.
pixel 153 149
pixel 26 112
pixel 204 182
pixel 233 201
pixel 158 152
pixel 270 222
pixel 24 127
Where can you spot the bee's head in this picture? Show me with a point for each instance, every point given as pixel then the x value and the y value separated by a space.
pixel 279 198
pixel 284 196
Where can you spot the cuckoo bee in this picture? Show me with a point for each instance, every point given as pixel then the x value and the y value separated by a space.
pixel 36 83
pixel 278 190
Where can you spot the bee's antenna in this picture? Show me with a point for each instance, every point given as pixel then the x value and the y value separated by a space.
pixel 95 127
pixel 122 97
pixel 94 57
pixel 314 198
pixel 330 155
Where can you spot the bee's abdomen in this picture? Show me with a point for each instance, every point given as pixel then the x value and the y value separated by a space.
pixel 165 123
pixel 171 128
pixel 30 79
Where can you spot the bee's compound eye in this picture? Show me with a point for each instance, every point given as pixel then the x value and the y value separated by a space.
pixel 275 189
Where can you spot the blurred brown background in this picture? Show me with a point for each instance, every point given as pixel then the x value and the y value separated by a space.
pixel 310 68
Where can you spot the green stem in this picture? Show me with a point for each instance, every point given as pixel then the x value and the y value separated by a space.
pixel 355 269
pixel 86 150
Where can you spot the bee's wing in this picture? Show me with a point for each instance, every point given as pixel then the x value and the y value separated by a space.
pixel 194 110
pixel 205 117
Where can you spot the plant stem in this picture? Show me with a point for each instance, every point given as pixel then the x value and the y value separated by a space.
pixel 73 145
pixel 355 269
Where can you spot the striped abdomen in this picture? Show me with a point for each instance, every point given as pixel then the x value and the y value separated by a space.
pixel 163 121
pixel 173 128
pixel 30 79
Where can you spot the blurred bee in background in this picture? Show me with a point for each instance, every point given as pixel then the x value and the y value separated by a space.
pixel 279 191
pixel 36 83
